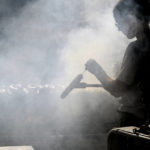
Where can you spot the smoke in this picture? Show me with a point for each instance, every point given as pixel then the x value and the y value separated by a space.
pixel 98 39
pixel 47 43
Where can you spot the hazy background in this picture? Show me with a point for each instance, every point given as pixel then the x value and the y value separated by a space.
pixel 44 44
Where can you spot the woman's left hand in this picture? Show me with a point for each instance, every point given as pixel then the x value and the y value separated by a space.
pixel 93 67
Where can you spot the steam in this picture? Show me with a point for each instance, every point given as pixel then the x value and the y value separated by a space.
pixel 44 45
pixel 98 40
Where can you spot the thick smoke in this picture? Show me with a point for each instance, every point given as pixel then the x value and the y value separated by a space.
pixel 44 45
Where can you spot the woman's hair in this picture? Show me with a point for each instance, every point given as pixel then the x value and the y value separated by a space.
pixel 137 8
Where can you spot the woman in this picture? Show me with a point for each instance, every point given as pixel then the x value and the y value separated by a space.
pixel 132 18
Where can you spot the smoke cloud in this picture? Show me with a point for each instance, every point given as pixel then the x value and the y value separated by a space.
pixel 44 45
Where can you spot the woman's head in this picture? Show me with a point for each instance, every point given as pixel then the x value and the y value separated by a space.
pixel 132 16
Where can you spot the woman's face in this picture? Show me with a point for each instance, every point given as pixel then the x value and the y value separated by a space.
pixel 129 26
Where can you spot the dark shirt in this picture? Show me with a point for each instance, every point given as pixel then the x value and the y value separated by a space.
pixel 133 81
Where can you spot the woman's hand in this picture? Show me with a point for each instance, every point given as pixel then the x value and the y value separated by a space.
pixel 93 67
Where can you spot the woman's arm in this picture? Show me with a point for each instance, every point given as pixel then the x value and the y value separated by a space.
pixel 114 87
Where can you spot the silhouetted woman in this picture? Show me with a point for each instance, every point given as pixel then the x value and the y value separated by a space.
pixel 133 81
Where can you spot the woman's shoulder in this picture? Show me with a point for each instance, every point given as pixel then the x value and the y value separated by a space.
pixel 136 52
pixel 132 49
pixel 133 45
pixel 137 48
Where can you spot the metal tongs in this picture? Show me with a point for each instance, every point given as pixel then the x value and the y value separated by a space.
pixel 77 84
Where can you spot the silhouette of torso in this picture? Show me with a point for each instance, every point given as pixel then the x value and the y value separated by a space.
pixel 135 72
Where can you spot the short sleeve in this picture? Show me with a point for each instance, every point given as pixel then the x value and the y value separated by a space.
pixel 129 66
